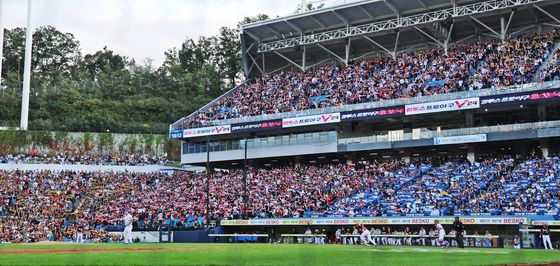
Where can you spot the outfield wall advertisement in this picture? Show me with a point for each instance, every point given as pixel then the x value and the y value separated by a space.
pixel 378 220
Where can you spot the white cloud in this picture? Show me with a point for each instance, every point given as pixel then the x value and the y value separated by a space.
pixel 139 28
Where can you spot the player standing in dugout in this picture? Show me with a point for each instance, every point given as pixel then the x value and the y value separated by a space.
pixel 459 229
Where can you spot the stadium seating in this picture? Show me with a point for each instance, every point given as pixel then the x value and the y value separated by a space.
pixel 473 66
pixel 46 205
pixel 63 158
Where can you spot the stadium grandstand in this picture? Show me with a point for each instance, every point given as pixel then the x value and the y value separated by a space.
pixel 387 112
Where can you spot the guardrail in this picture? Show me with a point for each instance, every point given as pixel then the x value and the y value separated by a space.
pixel 450 132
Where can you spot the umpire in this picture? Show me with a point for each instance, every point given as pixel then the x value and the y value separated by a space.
pixel 459 229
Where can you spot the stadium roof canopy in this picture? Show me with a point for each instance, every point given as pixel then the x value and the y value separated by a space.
pixel 354 31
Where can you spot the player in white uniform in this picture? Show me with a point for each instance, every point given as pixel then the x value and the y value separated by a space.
pixel 441 235
pixel 128 227
pixel 365 237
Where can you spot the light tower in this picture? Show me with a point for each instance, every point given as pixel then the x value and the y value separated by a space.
pixel 1 42
pixel 26 71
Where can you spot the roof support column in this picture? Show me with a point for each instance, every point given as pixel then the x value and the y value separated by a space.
pixel 506 28
pixel 263 64
pixel 303 55
pixel 347 58
pixel 255 63
pixel 396 44
pixel 446 42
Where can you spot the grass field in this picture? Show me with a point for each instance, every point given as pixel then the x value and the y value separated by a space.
pixel 260 254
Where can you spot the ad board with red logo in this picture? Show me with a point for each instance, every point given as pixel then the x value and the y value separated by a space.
pixel 442 106
pixel 311 120
pixel 404 220
pixel 206 131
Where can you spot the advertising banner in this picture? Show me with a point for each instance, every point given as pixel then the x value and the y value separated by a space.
pixel 206 131
pixel 442 106
pixel 521 97
pixel 372 113
pixel 311 120
pixel 255 126
pixel 459 139
pixel 378 220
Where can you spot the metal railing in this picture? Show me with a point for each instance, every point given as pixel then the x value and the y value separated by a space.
pixel 450 132
pixel 386 103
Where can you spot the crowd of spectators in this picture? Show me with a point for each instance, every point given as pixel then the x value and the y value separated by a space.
pixel 478 65
pixel 128 159
pixel 44 205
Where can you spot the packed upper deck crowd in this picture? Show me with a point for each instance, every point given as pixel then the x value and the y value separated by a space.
pixel 61 205
pixel 478 65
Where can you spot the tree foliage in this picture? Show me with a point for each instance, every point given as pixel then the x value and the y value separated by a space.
pixel 106 91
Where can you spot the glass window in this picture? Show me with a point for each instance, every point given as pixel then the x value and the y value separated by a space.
pixel 293 139
pixel 235 144
pixel 323 136
pixel 300 139
pixel 278 141
pixel 285 140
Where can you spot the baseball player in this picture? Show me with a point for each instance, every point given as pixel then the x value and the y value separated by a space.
pixel 128 227
pixel 441 235
pixel 545 234
pixel 365 238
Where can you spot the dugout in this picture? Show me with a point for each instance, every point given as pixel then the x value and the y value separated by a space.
pixel 503 228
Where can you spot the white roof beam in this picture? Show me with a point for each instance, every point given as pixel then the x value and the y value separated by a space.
pixel 485 26
pixel 289 60
pixel 341 18
pixel 392 7
pixel 331 52
pixel 422 4
pixel 278 34
pixel 317 21
pixel 257 38
pixel 255 63
pixel 548 14
pixel 377 44
pixel 429 36
pixel 552 25
pixel 294 26
pixel 427 17
pixel 365 11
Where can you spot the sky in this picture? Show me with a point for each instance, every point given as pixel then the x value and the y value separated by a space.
pixel 139 28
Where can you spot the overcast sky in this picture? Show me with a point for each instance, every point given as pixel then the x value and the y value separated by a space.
pixel 140 28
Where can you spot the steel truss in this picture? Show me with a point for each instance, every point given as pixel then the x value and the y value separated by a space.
pixel 393 24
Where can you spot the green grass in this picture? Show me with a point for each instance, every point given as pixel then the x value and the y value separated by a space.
pixel 261 254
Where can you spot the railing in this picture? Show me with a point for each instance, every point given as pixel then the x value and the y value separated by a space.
pixel 386 103
pixel 450 132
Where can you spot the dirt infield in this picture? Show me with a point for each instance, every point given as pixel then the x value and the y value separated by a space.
pixel 99 250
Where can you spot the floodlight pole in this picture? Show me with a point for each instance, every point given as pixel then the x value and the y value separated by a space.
pixel 26 71
pixel 1 42
pixel 244 214
pixel 208 180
